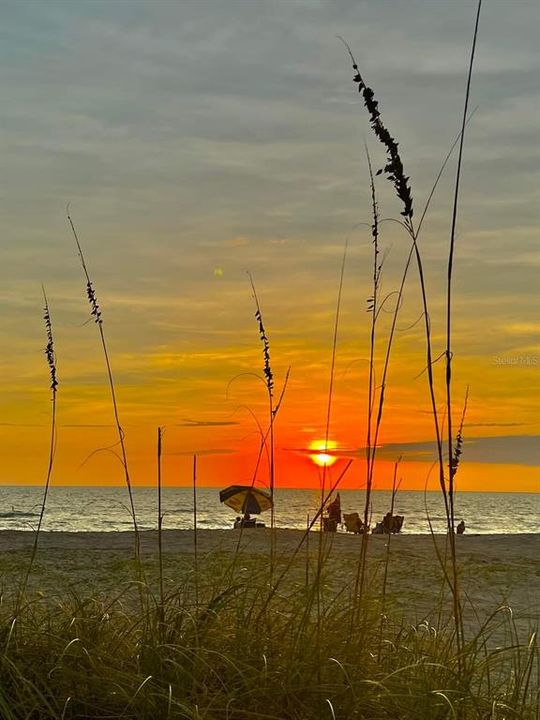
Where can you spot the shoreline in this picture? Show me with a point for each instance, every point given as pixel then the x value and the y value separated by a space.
pixel 257 539
pixel 9 536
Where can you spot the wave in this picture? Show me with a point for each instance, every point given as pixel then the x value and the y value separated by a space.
pixel 18 514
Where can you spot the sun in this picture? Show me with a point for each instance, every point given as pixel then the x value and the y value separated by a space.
pixel 323 458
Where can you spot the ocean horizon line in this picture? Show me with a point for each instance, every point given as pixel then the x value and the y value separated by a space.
pixel 285 487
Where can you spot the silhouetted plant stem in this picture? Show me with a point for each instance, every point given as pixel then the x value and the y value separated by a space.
pixel 50 354
pixel 395 486
pixel 330 398
pixel 269 381
pixel 448 376
pixel 399 294
pixel 304 537
pixel 394 171
pixel 395 315
pixel 195 539
pixel 373 309
pixel 262 447
pixel 322 534
pixel 96 313
pixel 160 527
pixel 307 552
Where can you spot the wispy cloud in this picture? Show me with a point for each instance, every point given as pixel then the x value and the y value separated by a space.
pixel 86 425
pixel 20 425
pixel 206 423
pixel 494 424
pixel 203 451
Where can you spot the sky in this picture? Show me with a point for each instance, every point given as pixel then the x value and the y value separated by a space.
pixel 197 141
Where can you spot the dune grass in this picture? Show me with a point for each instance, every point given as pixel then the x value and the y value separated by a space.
pixel 243 651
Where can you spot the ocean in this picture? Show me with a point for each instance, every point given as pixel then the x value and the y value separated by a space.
pixel 105 509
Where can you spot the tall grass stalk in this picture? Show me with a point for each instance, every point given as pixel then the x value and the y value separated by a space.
pixel 395 488
pixel 399 298
pixel 263 446
pixel 395 173
pixel 195 529
pixel 160 520
pixel 379 399
pixel 452 460
pixel 307 552
pixel 305 536
pixel 50 354
pixel 331 381
pixel 269 381
pixel 322 535
pixel 373 309
pixel 95 311
pixel 373 398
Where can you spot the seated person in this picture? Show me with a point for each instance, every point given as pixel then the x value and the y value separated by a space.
pixel 329 524
pixel 248 521
pixel 461 527
pixel 334 510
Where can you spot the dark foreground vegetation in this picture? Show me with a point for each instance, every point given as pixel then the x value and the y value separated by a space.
pixel 229 642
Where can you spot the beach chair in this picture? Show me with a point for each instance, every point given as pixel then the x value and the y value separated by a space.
pixel 353 523
pixel 389 525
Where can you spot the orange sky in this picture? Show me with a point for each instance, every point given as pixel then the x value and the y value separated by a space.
pixel 216 422
pixel 194 146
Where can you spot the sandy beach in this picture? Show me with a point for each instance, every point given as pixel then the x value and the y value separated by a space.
pixel 496 570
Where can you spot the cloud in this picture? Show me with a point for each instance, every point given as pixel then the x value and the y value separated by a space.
pixel 20 425
pixel 206 423
pixel 494 424
pixel 87 425
pixel 207 451
pixel 506 449
pixel 523 328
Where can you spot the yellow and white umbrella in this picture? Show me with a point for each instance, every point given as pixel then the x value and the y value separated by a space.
pixel 246 499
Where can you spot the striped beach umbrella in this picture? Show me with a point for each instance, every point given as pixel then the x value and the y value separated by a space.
pixel 246 499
